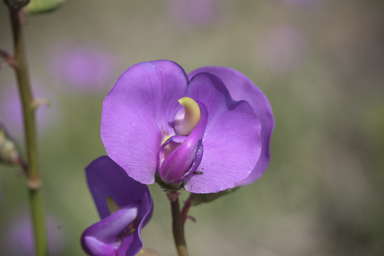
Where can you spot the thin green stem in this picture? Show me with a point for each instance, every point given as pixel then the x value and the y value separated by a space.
pixel 29 108
pixel 178 229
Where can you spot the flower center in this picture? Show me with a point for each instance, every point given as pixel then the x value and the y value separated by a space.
pixel 180 155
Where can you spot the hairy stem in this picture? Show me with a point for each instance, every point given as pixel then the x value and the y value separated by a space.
pixel 28 106
pixel 178 229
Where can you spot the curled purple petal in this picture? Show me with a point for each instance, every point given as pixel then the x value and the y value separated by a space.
pixel 118 232
pixel 242 88
pixel 137 114
pixel 105 237
pixel 180 161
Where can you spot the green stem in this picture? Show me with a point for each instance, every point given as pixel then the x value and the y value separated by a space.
pixel 29 107
pixel 178 229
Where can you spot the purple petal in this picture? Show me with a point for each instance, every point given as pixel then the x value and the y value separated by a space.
pixel 106 179
pixel 232 137
pixel 241 88
pixel 102 237
pixel 131 245
pixel 137 113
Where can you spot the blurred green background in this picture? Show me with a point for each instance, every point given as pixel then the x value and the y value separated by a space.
pixel 319 62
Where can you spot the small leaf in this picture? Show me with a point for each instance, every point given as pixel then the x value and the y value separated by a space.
pixel 206 198
pixel 41 6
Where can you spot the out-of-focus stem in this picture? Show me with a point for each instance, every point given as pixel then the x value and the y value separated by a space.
pixel 178 229
pixel 28 106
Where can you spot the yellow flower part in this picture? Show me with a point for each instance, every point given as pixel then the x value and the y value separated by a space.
pixel 112 206
pixel 186 120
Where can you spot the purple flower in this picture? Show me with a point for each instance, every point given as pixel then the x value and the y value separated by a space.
pixel 124 205
pixel 82 67
pixel 218 140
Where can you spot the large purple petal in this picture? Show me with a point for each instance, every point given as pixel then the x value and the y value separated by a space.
pixel 232 137
pixel 241 88
pixel 106 179
pixel 138 111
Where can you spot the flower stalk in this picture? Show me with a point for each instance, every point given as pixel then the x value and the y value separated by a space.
pixel 29 118
pixel 178 228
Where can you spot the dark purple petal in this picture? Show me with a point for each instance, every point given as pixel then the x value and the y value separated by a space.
pixel 232 137
pixel 137 113
pixel 241 88
pixel 112 234
pixel 131 245
pixel 106 179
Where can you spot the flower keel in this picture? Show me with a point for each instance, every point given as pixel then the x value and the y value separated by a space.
pixel 178 157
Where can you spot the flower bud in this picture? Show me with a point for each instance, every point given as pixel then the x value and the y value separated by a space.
pixel 8 150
